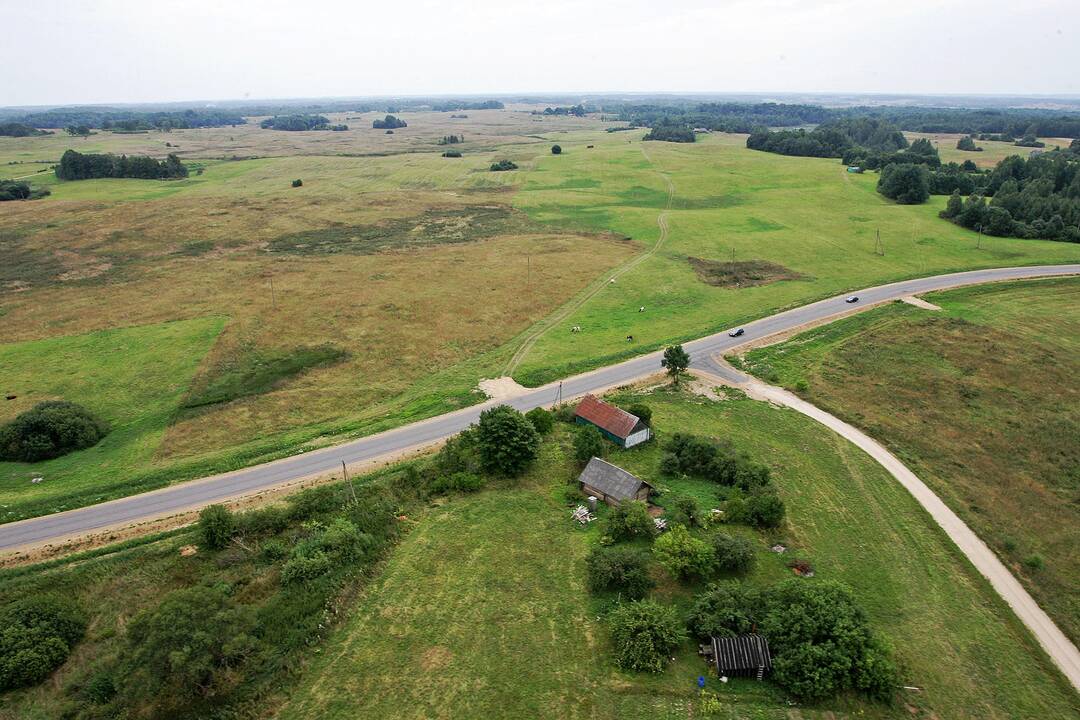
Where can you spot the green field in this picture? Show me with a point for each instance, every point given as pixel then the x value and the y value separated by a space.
pixel 133 378
pixel 980 401
pixel 805 214
pixel 482 612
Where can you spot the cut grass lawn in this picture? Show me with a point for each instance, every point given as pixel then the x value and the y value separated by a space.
pixel 482 610
pixel 133 378
pixel 981 400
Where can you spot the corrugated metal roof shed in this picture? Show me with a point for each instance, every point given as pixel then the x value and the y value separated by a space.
pixel 740 654
pixel 611 480
pixel 616 421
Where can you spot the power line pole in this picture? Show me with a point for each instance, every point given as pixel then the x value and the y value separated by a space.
pixel 273 297
pixel 879 247
pixel 352 490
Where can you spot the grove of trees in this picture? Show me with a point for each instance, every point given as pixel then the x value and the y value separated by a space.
pixel 48 430
pixel 671 133
pixel 296 123
pixel 78 166
pixel 389 123
pixel 906 183
pixel 18 190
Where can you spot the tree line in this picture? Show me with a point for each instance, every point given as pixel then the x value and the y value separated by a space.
pixel 389 123
pixel 78 166
pixel 671 133
pixel 18 190
pixel 130 120
pixel 18 129
pixel 296 122
pixel 456 105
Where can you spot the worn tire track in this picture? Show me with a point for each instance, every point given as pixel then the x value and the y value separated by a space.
pixel 566 310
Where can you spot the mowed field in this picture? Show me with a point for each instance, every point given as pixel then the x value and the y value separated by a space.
pixel 981 401
pixel 394 279
pixel 482 611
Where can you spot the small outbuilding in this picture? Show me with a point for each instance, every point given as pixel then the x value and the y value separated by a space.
pixel 611 483
pixel 742 655
pixel 617 425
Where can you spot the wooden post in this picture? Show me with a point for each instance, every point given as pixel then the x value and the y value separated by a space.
pixel 352 490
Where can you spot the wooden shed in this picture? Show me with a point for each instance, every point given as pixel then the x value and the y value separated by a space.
pixel 743 655
pixel 611 483
pixel 617 425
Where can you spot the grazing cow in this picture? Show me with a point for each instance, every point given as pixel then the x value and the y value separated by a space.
pixel 629 338
pixel 576 328
pixel 641 309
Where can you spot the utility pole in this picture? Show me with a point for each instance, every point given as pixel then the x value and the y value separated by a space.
pixel 352 490
pixel 978 242
pixel 879 247
pixel 273 298
pixel 558 395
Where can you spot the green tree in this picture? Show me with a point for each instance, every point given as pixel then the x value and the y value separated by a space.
pixel 506 441
pixel 624 570
pixel 644 634
pixel 733 553
pixel 642 411
pixel 48 430
pixel 725 609
pixel 954 206
pixel 682 554
pixel 588 443
pixel 36 635
pixel 906 183
pixel 765 509
pixel 541 419
pixel 676 360
pixel 217 525
pixel 629 520
pixel 822 643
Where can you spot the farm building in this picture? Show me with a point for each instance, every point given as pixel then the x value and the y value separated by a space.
pixel 612 484
pixel 619 426
pixel 740 655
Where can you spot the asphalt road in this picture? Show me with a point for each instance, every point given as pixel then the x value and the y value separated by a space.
pixel 194 494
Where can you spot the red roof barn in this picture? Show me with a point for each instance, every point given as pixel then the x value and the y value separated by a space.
pixel 617 425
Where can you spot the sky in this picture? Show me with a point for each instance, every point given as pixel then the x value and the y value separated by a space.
pixel 101 51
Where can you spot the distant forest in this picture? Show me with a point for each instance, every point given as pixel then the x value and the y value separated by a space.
pixel 456 105
pixel 128 120
pixel 77 166
pixel 18 129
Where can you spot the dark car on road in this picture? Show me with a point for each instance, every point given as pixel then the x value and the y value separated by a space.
pixel 736 332
pixel 852 299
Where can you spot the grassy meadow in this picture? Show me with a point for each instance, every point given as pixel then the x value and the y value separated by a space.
pixel 981 401
pixel 343 266
pixel 992 152
pixel 482 610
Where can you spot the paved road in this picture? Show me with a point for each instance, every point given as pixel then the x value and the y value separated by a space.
pixel 235 484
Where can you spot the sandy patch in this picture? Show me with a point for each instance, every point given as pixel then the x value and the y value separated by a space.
pixel 502 388
pixel 919 302
pixel 706 386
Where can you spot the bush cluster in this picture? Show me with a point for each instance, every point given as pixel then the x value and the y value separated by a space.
pixel 623 570
pixel 503 165
pixel 36 635
pixel 48 430
pixel 77 166
pixel 644 634
pixel 588 443
pixel 629 520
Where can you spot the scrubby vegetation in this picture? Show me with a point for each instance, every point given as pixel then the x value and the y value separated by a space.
pixel 18 129
pixel 620 569
pixel 49 430
pixel 36 636
pixel 16 190
pixel 503 165
pixel 967 143
pixel 77 166
pixel 644 634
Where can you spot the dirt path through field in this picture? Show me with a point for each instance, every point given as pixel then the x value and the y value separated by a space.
pixel 1060 649
pixel 591 292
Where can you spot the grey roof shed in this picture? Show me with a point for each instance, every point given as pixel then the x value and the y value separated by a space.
pixel 611 480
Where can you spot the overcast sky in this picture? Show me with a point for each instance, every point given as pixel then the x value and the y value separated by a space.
pixel 72 51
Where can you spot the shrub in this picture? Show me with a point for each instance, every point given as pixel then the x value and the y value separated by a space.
pixel 644 634
pixel 389 122
pixel 724 610
pixel 506 441
pixel 556 150
pixel 682 554
pixel 642 411
pixel 765 509
pixel 48 430
pixel 1034 562
pixel 452 154
pixel 541 419
pixel 36 635
pixel 619 569
pixel 588 443
pixel 629 520
pixel 274 549
pixel 733 553
pixel 458 482
pixel 676 361
pixel 822 644
pixel 503 165
pixel 189 644
pixel 264 521
pixel 684 510
pixel 298 183
pixel 305 566
pixel 458 454
pixel 217 526
pixel 314 502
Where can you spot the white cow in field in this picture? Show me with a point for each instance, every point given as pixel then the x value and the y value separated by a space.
pixel 576 328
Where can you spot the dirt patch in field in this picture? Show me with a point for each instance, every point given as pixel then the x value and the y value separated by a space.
pixel 436 658
pixel 745 273
pixel 439 226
